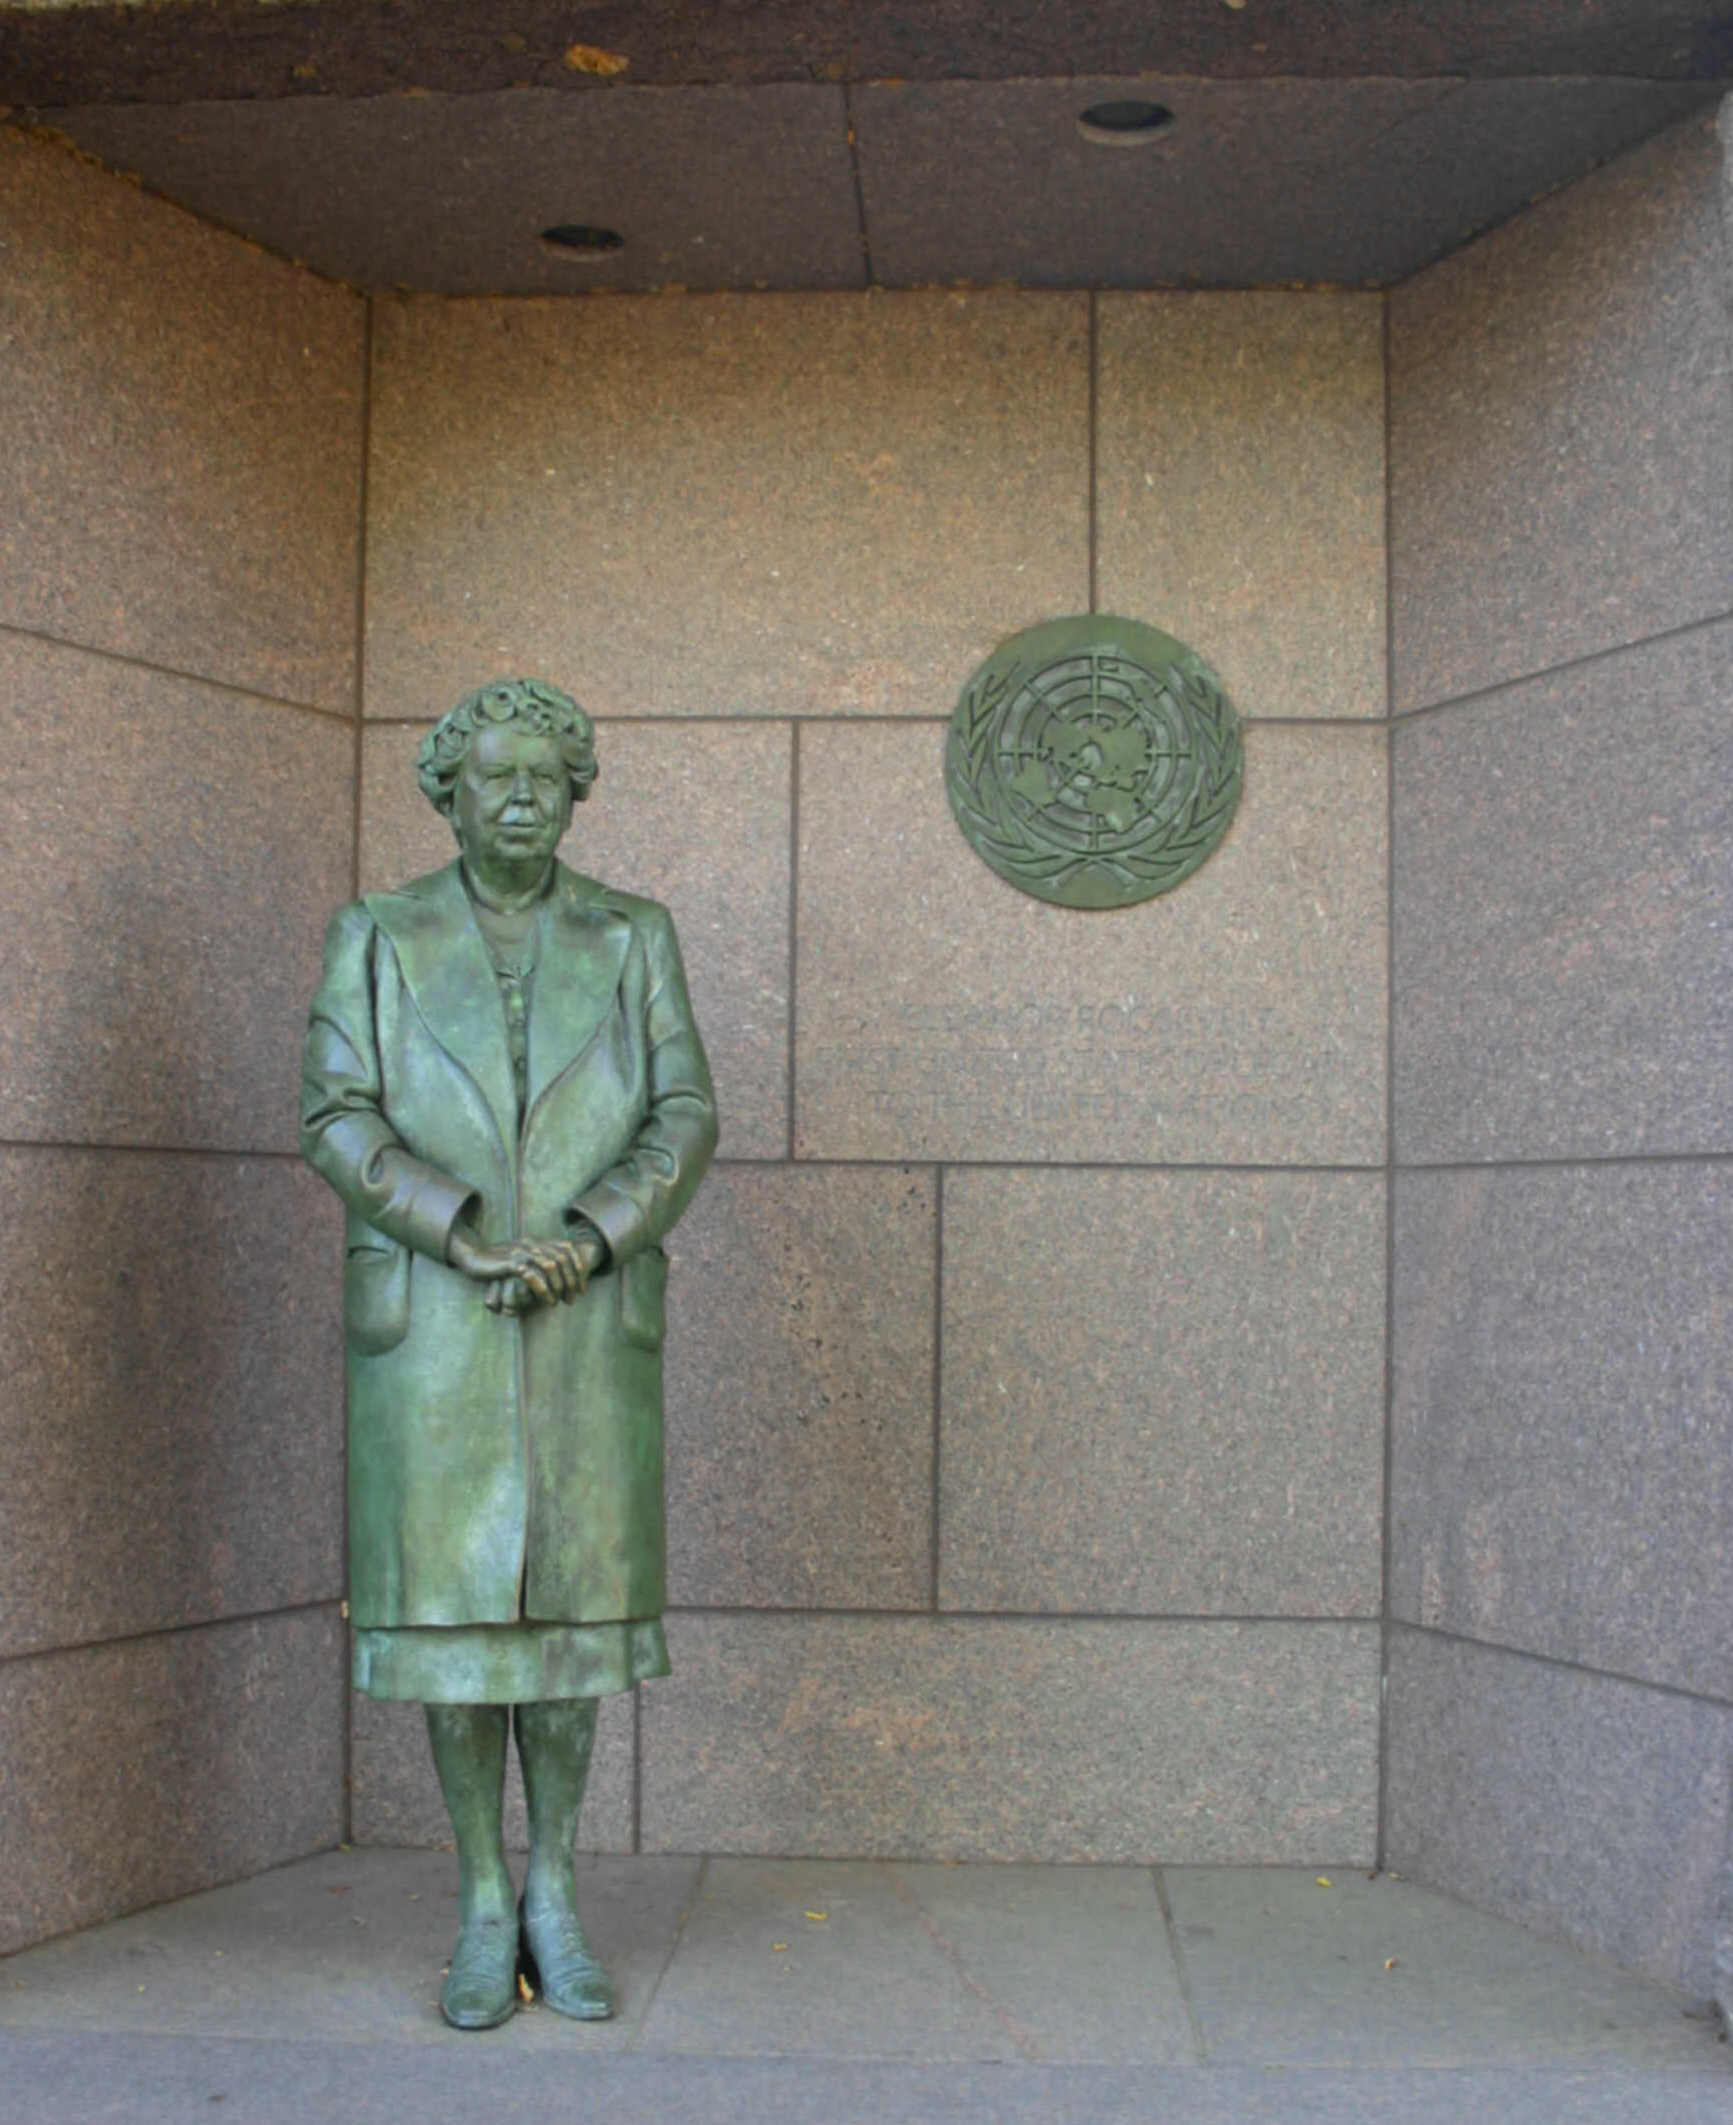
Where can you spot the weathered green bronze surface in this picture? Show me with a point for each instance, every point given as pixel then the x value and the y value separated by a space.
pixel 1094 761
pixel 504 1083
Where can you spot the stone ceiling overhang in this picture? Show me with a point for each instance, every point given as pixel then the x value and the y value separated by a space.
pixel 804 144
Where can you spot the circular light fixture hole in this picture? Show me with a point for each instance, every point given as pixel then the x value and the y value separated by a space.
pixel 1126 123
pixel 579 241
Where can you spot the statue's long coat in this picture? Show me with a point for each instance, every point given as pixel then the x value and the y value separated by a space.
pixel 502 1467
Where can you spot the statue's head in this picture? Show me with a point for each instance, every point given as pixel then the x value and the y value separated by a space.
pixel 534 707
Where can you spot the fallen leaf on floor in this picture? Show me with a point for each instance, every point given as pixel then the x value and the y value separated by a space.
pixel 779 1947
pixel 523 1987
pixel 591 59
pixel 1324 1882
pixel 818 1914
pixel 1390 1962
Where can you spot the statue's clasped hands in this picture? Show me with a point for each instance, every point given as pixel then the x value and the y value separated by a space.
pixel 525 1273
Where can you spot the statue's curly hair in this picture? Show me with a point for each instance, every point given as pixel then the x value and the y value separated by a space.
pixel 532 702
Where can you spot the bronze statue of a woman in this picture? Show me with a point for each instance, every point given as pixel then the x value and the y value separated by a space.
pixel 504 1083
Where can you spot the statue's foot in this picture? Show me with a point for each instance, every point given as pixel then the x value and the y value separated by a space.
pixel 481 1991
pixel 558 1963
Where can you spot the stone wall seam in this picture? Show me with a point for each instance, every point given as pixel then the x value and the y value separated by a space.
pixel 328 1603
pixel 171 671
pixel 1475 696
pixel 947 1616
pixel 357 822
pixel 1389 1108
pixel 1504 1163
pixel 109 1147
pixel 844 1163
pixel 862 225
pixel 791 1047
pixel 638 1767
pixel 935 1533
pixel 1554 1660
pixel 1094 509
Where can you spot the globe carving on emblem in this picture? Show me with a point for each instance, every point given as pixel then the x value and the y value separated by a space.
pixel 1094 761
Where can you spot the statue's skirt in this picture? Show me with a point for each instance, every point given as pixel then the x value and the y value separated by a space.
pixel 509 1663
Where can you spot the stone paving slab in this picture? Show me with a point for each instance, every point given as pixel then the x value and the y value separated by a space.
pixel 1377 1972
pixel 847 1959
pixel 140 2080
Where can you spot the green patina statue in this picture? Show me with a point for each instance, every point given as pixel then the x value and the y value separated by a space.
pixel 504 1083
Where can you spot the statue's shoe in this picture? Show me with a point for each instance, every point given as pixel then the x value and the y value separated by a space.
pixel 481 1990
pixel 558 1963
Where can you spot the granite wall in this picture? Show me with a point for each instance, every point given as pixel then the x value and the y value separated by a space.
pixel 1561 1544
pixel 180 457
pixel 1026 1380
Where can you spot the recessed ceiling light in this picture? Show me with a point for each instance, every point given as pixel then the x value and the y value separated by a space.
pixel 1125 124
pixel 578 240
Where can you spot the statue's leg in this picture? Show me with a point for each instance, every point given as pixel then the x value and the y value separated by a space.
pixel 554 1740
pixel 469 1754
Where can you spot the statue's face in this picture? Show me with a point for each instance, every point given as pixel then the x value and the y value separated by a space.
pixel 513 800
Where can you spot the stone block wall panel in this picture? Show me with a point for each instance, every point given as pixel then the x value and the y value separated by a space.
pixel 1564 912
pixel 1580 1804
pixel 180 438
pixel 723 506
pixel 174 1406
pixel 799 1387
pixel 1563 1371
pixel 1163 1393
pixel 175 851
pixel 154 1767
pixel 989 1739
pixel 1561 436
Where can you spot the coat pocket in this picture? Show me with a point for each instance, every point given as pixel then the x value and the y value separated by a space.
pixel 643 1284
pixel 376 1297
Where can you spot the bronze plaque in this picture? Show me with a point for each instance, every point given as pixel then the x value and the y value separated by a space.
pixel 1094 761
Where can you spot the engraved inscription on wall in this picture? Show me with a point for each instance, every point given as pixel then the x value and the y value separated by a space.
pixel 1035 1064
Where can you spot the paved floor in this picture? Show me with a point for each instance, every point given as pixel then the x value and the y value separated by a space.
pixel 829 1992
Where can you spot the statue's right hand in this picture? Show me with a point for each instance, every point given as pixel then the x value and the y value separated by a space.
pixel 476 1258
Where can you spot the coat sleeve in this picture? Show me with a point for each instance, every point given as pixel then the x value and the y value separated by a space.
pixel 641 1196
pixel 345 1136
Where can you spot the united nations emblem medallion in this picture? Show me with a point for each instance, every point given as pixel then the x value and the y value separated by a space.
pixel 1094 761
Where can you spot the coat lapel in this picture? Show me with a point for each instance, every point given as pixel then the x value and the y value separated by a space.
pixel 451 978
pixel 582 955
